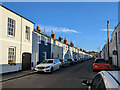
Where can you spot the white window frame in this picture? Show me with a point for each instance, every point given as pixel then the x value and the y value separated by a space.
pixel 27 33
pixel 12 55
pixel 11 27
pixel 45 40
pixel 45 53
pixel 39 39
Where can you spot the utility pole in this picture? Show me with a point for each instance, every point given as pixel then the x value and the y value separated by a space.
pixel 108 37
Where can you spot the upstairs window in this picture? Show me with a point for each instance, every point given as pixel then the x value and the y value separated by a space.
pixel 53 42
pixel 11 27
pixel 42 37
pixel 45 41
pixel 39 39
pixel 27 33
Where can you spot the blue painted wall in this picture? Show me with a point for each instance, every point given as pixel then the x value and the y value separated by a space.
pixel 44 48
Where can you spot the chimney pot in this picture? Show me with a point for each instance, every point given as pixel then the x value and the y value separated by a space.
pixel 53 35
pixel 65 40
pixel 60 38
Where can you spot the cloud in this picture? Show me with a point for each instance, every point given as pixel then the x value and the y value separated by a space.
pixel 57 29
pixel 106 30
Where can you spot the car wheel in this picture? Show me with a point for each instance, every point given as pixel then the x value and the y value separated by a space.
pixel 60 67
pixel 93 70
pixel 51 70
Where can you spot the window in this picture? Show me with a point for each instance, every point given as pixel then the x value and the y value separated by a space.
pixel 97 82
pixel 54 43
pixel 44 55
pixel 39 39
pixel 11 27
pixel 27 33
pixel 11 54
pixel 42 37
pixel 119 36
pixel 49 41
pixel 45 41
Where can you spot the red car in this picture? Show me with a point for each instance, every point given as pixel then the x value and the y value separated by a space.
pixel 100 64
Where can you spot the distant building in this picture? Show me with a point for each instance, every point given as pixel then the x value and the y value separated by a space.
pixel 56 47
pixel 15 41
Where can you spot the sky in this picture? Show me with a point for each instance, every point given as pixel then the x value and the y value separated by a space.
pixel 84 23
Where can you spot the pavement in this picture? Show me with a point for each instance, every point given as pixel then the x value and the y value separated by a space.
pixel 14 75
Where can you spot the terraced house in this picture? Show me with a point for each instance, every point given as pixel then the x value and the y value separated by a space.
pixel 15 41
pixel 41 46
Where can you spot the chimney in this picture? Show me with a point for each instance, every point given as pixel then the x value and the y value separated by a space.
pixel 71 43
pixel 65 40
pixel 53 35
pixel 38 29
pixel 60 38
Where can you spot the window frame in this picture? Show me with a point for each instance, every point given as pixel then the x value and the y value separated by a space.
pixel 10 26
pixel 14 55
pixel 38 39
pixel 45 40
pixel 28 39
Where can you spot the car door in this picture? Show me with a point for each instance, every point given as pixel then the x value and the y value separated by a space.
pixel 98 83
pixel 58 63
pixel 55 64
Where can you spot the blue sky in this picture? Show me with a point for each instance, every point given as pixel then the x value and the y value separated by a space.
pixel 84 23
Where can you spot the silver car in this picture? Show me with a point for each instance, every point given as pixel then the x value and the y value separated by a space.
pixel 105 80
pixel 48 65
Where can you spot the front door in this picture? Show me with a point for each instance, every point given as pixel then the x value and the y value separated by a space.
pixel 26 61
pixel 35 58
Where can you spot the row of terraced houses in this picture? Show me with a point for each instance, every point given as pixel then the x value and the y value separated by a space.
pixel 22 47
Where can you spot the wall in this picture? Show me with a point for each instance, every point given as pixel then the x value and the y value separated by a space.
pixel 35 48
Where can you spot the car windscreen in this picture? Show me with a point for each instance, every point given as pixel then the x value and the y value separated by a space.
pixel 69 59
pixel 100 61
pixel 61 60
pixel 47 61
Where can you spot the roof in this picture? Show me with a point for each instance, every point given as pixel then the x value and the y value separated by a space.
pixel 17 14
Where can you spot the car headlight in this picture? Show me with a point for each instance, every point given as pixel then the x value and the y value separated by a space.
pixel 48 67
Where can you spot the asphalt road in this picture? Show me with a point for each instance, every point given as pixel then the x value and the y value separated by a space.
pixel 69 77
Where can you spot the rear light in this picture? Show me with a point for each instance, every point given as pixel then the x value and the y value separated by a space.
pixel 62 62
pixel 96 66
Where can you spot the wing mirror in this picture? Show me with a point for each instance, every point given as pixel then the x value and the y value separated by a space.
pixel 86 83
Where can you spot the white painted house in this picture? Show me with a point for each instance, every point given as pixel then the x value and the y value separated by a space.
pixel 15 41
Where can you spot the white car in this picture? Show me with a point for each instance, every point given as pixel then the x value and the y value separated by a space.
pixel 48 65
pixel 104 80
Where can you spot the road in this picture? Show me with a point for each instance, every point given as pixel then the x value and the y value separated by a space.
pixel 69 77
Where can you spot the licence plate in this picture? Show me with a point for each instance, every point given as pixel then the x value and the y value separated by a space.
pixel 101 66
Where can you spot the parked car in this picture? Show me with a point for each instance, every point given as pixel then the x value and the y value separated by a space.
pixel 104 80
pixel 82 60
pixel 79 60
pixel 48 65
pixel 71 61
pixel 64 62
pixel 75 61
pixel 100 64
